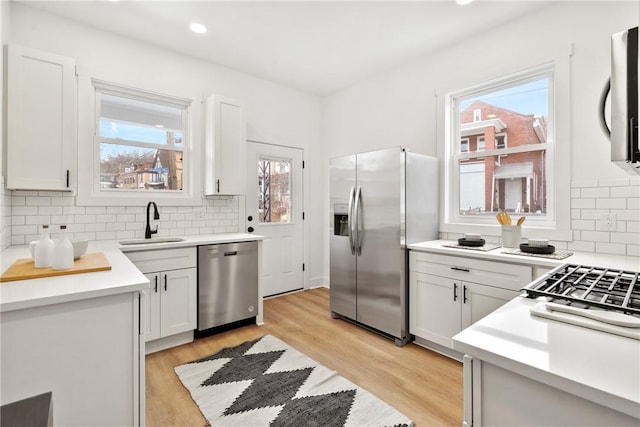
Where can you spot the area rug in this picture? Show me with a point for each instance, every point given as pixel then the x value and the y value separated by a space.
pixel 265 382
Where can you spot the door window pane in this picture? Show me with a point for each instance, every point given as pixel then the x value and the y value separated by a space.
pixel 274 190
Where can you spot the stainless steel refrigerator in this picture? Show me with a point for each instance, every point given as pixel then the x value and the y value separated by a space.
pixel 380 201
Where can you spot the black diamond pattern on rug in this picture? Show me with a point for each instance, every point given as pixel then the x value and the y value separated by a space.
pixel 229 352
pixel 260 393
pixel 245 367
pixel 327 410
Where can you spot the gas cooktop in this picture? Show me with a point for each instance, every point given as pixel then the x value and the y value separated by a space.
pixel 586 286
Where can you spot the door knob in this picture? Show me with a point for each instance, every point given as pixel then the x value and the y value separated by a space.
pixel 250 229
pixel 250 218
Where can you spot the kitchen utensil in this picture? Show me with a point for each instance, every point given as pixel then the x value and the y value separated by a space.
pixel 520 221
pixel 546 250
pixel 471 242
pixel 511 235
pixel 472 236
pixel 538 243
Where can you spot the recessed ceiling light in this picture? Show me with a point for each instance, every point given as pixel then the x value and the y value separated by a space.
pixel 463 2
pixel 198 28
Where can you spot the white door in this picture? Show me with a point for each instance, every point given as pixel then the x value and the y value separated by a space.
pixel 513 193
pixel 274 210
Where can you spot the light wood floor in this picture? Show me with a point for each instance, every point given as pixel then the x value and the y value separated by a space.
pixel 425 386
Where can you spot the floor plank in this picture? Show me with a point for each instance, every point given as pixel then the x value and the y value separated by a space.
pixel 425 386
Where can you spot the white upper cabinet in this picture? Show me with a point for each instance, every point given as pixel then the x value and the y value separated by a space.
pixel 41 120
pixel 225 146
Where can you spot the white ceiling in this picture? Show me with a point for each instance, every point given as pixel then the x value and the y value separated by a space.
pixel 315 46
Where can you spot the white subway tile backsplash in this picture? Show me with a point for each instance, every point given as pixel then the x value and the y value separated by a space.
pixel 581 246
pixel 611 203
pixel 595 192
pixel 582 224
pixel 595 236
pixel 26 210
pixel 611 248
pixel 38 201
pixel 583 203
pixel 630 238
pixel 626 192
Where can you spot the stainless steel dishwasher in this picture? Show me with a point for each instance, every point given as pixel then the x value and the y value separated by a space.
pixel 227 284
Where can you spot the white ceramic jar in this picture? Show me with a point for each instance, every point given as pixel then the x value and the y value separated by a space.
pixel 43 252
pixel 63 251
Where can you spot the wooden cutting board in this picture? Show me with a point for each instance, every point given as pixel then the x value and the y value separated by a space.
pixel 23 268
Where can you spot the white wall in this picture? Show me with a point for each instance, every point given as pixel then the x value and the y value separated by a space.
pixel 275 114
pixel 400 107
pixel 5 196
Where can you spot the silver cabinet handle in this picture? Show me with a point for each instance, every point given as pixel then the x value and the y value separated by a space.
pixel 359 225
pixel 351 221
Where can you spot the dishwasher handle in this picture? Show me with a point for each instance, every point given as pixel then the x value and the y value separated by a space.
pixel 231 253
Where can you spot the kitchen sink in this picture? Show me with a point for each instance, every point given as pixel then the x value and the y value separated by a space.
pixel 151 241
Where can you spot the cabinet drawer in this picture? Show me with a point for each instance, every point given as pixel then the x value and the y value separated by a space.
pixel 163 259
pixel 491 273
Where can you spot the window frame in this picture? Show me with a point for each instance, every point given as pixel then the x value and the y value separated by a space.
pixel 452 218
pixel 89 191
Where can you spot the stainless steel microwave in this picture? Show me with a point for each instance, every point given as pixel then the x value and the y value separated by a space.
pixel 622 90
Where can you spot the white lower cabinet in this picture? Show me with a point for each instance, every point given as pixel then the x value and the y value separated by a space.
pixel 448 293
pixel 171 302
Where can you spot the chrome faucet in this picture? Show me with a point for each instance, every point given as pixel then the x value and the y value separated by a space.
pixel 148 232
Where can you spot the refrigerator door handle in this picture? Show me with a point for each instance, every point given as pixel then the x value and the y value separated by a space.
pixel 351 221
pixel 359 225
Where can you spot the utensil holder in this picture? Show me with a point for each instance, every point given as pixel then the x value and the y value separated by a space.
pixel 511 236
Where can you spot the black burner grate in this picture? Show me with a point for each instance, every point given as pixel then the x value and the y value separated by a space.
pixel 587 286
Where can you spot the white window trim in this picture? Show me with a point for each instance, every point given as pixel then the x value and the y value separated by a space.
pixel 557 223
pixel 506 144
pixel 89 193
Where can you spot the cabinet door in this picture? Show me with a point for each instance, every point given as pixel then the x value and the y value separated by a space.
pixel 152 304
pixel 41 120
pixel 178 301
pixel 480 300
pixel 435 308
pixel 225 146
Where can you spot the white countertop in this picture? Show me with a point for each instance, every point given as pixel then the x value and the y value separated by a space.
pixel 587 258
pixel 123 276
pixel 600 367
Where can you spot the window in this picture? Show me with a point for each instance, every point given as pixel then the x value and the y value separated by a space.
pixel 496 176
pixel 140 141
pixel 501 141
pixel 480 143
pixel 464 145
pixel 274 186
